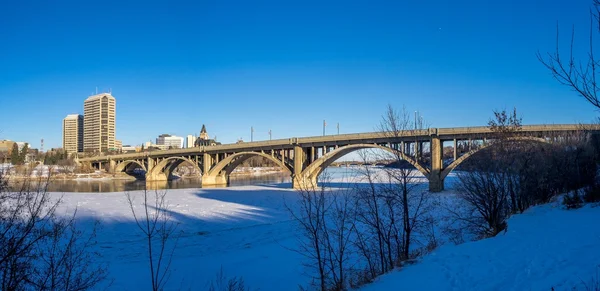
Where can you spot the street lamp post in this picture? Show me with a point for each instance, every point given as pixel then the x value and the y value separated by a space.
pixel 270 137
pixel 251 133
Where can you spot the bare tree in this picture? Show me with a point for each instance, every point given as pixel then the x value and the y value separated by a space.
pixel 580 75
pixel 223 283
pixel 159 231
pixel 326 228
pixel 486 194
pixel 39 249
pixel 402 181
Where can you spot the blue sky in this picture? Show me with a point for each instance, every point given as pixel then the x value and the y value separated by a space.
pixel 280 65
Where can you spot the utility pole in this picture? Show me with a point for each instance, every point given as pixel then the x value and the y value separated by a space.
pixel 251 133
pixel 415 120
pixel 324 124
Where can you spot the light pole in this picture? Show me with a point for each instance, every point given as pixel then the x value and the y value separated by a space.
pixel 338 128
pixel 251 133
pixel 270 137
pixel 416 120
pixel 324 124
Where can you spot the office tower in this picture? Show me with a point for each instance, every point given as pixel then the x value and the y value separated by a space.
pixel 99 114
pixel 73 133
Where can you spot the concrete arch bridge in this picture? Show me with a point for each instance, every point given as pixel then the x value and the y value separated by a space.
pixel 435 152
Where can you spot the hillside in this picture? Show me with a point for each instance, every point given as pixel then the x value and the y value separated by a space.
pixel 546 247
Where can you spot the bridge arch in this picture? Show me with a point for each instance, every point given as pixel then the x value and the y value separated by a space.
pixel 164 168
pixel 446 171
pixel 311 173
pixel 227 165
pixel 123 165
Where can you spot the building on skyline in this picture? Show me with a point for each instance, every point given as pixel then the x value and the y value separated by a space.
pixel 190 140
pixel 204 139
pixel 118 145
pixel 170 141
pixel 99 118
pixel 73 133
pixel 6 147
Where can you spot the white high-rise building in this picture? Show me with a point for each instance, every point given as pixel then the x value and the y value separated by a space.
pixel 171 141
pixel 99 116
pixel 190 140
pixel 73 133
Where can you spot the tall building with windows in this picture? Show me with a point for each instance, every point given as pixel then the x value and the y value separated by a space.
pixel 170 141
pixel 190 139
pixel 73 133
pixel 99 116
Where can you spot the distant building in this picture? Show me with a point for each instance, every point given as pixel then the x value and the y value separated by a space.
pixel 189 141
pixel 149 146
pixel 170 141
pixel 6 147
pixel 21 145
pixel 129 149
pixel 118 145
pixel 99 118
pixel 73 133
pixel 204 139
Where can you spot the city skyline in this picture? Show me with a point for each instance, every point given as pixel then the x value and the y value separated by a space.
pixel 277 67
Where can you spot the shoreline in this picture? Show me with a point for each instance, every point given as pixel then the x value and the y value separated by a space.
pixel 102 176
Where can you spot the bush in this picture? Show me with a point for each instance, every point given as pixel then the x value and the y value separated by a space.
pixel 592 193
pixel 572 201
pixel 40 250
pixel 222 283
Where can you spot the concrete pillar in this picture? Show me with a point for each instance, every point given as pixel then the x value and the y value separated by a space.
pixel 151 164
pixel 298 180
pixel 206 163
pixel 312 154
pixel 436 182
pixel 298 160
pixel 417 150
pixel 215 180
pixel 112 166
pixel 455 149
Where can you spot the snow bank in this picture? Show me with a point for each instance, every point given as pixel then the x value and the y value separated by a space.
pixel 546 247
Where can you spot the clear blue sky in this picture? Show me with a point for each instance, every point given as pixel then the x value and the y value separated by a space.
pixel 279 65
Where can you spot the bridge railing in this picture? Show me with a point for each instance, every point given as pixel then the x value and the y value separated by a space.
pixel 257 145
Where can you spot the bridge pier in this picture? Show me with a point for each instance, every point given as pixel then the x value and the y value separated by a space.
pixel 218 180
pixel 151 176
pixel 300 182
pixel 436 182
pixel 112 165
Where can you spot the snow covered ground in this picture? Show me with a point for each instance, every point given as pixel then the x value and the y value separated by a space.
pixel 248 232
pixel 546 247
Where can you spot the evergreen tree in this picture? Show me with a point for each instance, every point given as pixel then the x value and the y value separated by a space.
pixel 23 155
pixel 14 155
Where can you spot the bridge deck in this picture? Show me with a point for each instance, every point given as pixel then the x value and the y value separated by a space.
pixel 370 137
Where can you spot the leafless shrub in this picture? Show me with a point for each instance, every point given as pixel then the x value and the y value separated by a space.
pixel 159 231
pixel 326 228
pixel 40 250
pixel 223 283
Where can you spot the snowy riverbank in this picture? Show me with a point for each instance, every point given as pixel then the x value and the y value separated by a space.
pixel 248 232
